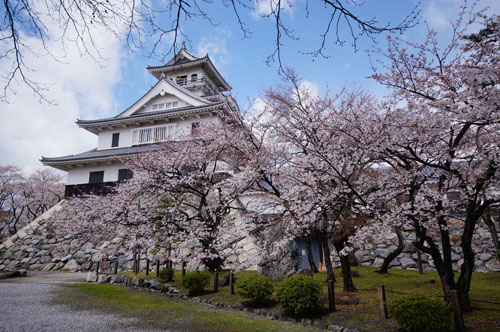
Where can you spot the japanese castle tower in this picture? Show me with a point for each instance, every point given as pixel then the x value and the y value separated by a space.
pixel 189 90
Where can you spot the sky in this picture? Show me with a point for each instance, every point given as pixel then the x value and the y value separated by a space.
pixel 83 88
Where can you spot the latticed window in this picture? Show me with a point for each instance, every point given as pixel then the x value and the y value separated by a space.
pixel 162 106
pixel 153 134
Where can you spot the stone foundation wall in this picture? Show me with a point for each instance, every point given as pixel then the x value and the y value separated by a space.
pixel 373 254
pixel 32 248
pixel 278 266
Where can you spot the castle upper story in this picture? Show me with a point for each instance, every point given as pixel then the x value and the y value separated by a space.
pixel 188 91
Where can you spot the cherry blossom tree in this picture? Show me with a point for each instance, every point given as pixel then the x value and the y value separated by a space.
pixel 322 155
pixel 182 200
pixel 444 140
pixel 10 177
pixel 24 198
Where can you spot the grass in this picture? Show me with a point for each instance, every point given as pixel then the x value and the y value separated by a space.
pixel 365 315
pixel 156 311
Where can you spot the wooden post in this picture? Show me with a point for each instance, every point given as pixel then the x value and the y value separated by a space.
pixel 166 263
pixel 138 264
pixel 97 268
pixel 147 266
pixel 183 267
pixel 115 269
pixel 331 296
pixel 216 282
pixel 457 312
pixel 382 302
pixel 231 281
pixel 157 268
pixel 134 262
pixel 419 262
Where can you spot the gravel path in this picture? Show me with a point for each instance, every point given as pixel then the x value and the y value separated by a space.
pixel 24 307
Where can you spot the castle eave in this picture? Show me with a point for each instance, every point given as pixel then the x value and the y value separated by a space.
pixel 205 61
pixel 96 126
pixel 95 157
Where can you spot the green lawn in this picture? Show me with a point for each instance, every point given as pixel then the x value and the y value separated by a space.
pixel 365 315
pixel 153 310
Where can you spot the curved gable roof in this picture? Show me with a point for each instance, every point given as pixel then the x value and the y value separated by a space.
pixel 221 83
pixel 165 86
pixel 182 56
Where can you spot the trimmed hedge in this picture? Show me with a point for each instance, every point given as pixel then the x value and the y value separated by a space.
pixel 416 313
pixel 257 289
pixel 195 282
pixel 166 274
pixel 300 293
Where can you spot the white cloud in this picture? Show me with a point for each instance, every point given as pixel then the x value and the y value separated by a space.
pixel 216 48
pixel 265 7
pixel 439 14
pixel 81 88
pixel 310 88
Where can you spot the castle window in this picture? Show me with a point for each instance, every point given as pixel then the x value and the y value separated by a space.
pixel 96 177
pixel 124 174
pixel 161 106
pixel 194 77
pixel 152 135
pixel 115 140
pixel 195 128
pixel 181 80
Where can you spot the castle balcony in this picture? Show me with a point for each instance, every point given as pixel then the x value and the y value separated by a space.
pixel 201 83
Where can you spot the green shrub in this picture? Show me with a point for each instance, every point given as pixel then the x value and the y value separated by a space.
pixel 195 282
pixel 416 313
pixel 300 293
pixel 166 274
pixel 257 289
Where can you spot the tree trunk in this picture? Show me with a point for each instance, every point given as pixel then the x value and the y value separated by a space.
pixel 443 263
pixel 493 231
pixel 467 267
pixel 346 267
pixel 401 245
pixel 328 262
pixel 310 257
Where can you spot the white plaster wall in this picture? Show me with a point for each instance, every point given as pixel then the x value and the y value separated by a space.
pixel 260 203
pixel 105 137
pixel 80 175
pixel 148 107
pixel 183 128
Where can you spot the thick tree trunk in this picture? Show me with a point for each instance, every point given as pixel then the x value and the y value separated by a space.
pixel 310 257
pixel 443 263
pixel 488 220
pixel 328 262
pixel 346 267
pixel 467 267
pixel 401 245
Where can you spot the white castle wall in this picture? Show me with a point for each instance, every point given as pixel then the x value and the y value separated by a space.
pixel 81 174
